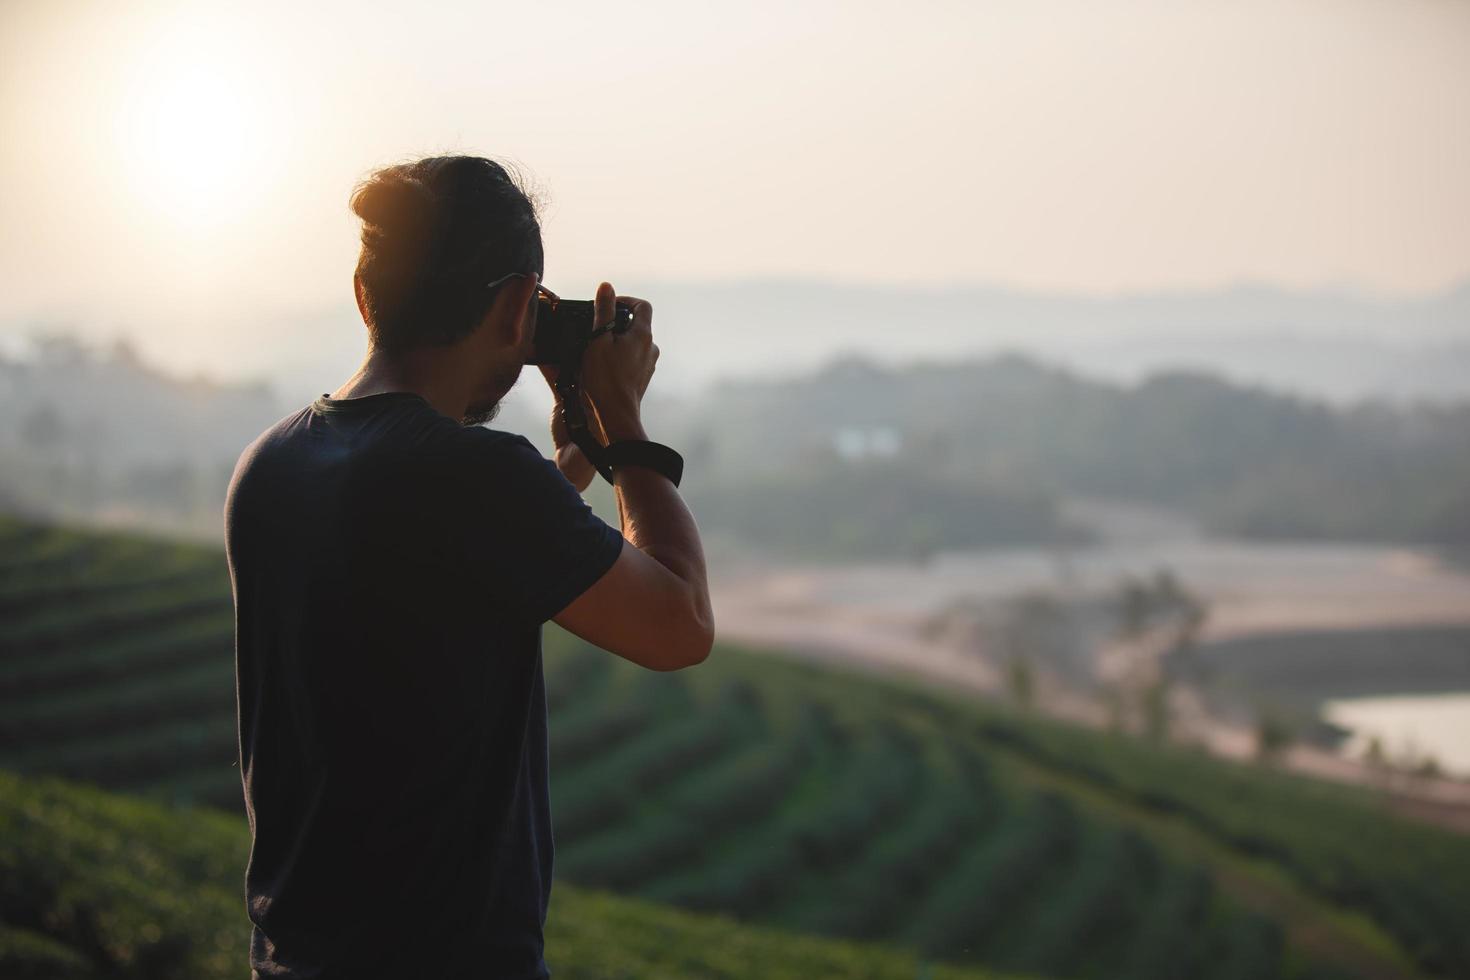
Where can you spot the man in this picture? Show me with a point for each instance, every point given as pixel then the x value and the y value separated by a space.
pixel 393 562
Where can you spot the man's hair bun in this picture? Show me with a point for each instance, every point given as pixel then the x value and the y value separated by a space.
pixel 434 232
pixel 397 213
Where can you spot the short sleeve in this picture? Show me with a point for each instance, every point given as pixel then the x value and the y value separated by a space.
pixel 534 541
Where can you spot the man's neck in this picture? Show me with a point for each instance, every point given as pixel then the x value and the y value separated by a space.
pixel 424 373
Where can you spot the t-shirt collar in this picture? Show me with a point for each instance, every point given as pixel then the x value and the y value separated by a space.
pixel 327 404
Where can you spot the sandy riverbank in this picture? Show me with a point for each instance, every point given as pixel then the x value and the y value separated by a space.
pixel 872 616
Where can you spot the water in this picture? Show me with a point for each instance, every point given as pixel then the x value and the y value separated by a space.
pixel 1434 725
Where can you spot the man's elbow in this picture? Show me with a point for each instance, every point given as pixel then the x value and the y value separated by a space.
pixel 705 641
pixel 694 644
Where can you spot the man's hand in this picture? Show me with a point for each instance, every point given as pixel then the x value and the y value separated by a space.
pixel 652 607
pixel 616 370
pixel 617 367
pixel 575 466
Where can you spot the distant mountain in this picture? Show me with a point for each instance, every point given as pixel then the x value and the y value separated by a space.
pixel 852 458
pixel 98 434
pixel 1245 460
pixel 1334 344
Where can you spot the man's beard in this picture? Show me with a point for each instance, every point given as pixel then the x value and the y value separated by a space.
pixel 480 414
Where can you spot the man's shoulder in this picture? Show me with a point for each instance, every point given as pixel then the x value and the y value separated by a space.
pixel 499 442
pixel 260 447
pixel 498 455
pixel 413 430
pixel 441 451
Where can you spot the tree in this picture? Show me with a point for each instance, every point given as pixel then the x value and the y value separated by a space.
pixel 1274 733
pixel 1156 710
pixel 1020 680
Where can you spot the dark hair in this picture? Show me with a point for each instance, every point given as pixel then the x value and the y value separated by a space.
pixel 434 232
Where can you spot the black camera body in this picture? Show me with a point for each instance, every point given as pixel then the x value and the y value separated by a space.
pixel 564 328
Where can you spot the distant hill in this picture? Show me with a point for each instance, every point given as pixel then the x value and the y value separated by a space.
pixel 1336 343
pixel 961 436
pixel 98 434
pixel 773 790
pixel 1333 343
pixel 855 459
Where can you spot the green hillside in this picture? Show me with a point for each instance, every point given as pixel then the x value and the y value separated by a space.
pixel 99 885
pixel 792 796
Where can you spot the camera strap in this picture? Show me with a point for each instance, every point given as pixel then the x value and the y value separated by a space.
pixel 639 452
pixel 574 416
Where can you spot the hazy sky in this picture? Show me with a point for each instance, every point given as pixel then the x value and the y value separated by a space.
pixel 181 171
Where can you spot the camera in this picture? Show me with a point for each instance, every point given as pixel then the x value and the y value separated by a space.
pixel 564 328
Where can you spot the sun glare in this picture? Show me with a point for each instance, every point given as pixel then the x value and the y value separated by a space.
pixel 196 129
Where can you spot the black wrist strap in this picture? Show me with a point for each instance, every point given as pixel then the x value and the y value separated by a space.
pixel 641 452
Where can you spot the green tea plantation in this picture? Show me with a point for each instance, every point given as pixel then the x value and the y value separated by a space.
pixel 98 885
pixel 790 800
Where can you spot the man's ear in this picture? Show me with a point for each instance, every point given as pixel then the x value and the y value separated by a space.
pixel 511 316
pixel 361 299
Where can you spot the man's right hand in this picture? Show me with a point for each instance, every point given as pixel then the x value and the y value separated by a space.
pixel 652 607
pixel 616 368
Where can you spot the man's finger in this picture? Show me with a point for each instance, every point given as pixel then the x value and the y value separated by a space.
pixel 642 312
pixel 549 372
pixel 604 305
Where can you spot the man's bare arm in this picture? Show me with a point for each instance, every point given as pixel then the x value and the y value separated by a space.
pixel 652 607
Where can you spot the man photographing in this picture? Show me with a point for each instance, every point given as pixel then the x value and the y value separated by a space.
pixel 393 562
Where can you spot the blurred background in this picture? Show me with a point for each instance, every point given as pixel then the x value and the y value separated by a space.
pixel 1076 401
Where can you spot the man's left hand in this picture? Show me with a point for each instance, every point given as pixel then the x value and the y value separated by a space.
pixel 575 466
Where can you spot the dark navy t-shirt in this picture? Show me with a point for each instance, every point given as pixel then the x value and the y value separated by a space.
pixel 392 570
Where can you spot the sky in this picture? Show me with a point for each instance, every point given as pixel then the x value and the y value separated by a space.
pixel 180 172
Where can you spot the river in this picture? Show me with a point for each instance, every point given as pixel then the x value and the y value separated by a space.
pixel 1412 726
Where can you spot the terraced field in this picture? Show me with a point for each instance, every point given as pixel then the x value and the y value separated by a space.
pixel 793 796
pixel 98 886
